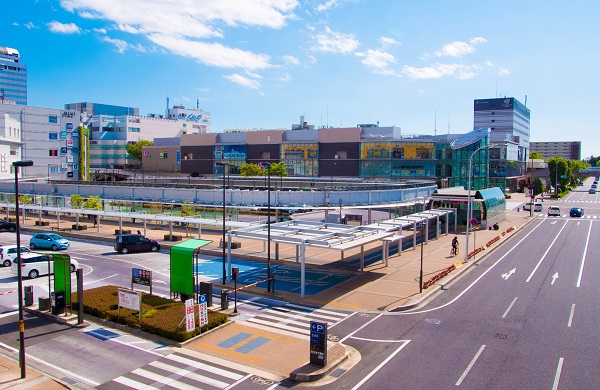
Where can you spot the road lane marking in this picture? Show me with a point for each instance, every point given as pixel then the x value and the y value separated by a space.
pixel 380 341
pixel 475 281
pixel 361 328
pixel 98 280
pixel 342 320
pixel 554 277
pixel 587 241
pixel 544 256
pixel 383 363
pixel 557 376
pixel 509 307
pixel 464 374
pixel 571 316
pixel 507 275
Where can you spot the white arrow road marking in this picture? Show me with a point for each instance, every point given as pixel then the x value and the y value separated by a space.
pixel 554 277
pixel 507 275
pixel 553 222
pixel 160 281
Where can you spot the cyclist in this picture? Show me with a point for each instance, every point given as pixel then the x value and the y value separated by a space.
pixel 455 246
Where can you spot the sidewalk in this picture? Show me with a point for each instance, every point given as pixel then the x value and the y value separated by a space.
pixel 378 288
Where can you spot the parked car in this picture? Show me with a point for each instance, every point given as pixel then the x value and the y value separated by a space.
pixel 125 243
pixel 576 212
pixel 5 225
pixel 48 241
pixel 553 211
pixel 592 191
pixel 9 252
pixel 35 264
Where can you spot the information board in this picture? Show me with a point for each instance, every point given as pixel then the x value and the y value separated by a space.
pixel 202 311
pixel 129 299
pixel 318 343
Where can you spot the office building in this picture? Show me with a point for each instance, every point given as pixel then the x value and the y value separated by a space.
pixel 567 150
pixel 509 122
pixel 13 77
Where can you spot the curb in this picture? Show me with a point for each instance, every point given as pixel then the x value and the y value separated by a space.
pixel 56 318
pixel 299 376
pixel 438 287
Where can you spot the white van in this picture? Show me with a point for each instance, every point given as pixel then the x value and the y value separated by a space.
pixel 536 206
pixel 35 264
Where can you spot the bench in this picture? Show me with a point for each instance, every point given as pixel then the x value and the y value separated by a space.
pixel 60 229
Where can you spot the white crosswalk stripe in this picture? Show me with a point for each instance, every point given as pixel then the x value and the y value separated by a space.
pixel 296 318
pixel 177 371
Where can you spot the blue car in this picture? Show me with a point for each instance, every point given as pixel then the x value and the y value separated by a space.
pixel 48 241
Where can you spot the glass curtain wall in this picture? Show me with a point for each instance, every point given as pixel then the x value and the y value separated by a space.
pixel 460 166
pixel 301 159
pixel 397 160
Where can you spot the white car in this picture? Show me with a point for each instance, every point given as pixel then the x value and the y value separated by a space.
pixel 536 206
pixel 553 211
pixel 9 252
pixel 35 264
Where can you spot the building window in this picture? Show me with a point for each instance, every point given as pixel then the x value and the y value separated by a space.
pixel 52 135
pixel 52 119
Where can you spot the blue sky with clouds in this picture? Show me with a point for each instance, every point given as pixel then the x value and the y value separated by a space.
pixel 263 63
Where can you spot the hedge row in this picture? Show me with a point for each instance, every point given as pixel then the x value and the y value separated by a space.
pixel 160 316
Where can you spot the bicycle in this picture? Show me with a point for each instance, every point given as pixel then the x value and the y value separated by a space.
pixel 454 251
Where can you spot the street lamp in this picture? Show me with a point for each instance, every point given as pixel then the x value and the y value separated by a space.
pixel 268 165
pixel 469 206
pixel 222 164
pixel 17 164
pixel 422 229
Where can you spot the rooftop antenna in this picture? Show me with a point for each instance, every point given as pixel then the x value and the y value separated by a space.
pixel 435 123
pixel 197 103
pixel 167 102
pixel 525 100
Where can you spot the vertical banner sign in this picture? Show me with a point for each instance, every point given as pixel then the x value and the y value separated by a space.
pixel 318 343
pixel 190 324
pixel 202 311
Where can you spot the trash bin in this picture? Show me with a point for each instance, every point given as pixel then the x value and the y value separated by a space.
pixel 58 302
pixel 207 289
pixel 224 299
pixel 44 304
pixel 28 296
pixel 185 297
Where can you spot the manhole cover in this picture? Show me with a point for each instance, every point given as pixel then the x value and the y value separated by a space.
pixel 337 373
pixel 433 321
pixel 501 336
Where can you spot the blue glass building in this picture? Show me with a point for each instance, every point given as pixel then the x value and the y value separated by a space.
pixel 13 77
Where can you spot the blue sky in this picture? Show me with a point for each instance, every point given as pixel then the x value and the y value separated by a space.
pixel 263 63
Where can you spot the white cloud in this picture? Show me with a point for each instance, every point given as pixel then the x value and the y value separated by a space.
pixel 213 54
pixel 437 71
pixel 387 41
pixel 503 72
pixel 459 49
pixel 15 24
pixel 120 44
pixel 30 25
pixel 331 41
pixel 312 59
pixel 378 61
pixel 185 23
pixel 290 60
pixel 99 30
pixel 243 81
pixel 63 28
pixel 284 78
pixel 326 5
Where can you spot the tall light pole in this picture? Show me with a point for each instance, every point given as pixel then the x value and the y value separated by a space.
pixel 422 229
pixel 531 196
pixel 469 207
pixel 16 165
pixel 268 165
pixel 222 164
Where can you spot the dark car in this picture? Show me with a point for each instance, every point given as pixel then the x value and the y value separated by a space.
pixel 576 212
pixel 5 225
pixel 125 243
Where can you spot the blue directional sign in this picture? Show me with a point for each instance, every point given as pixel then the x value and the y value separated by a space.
pixel 318 343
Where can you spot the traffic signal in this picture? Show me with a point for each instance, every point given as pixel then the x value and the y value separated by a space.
pixel 235 273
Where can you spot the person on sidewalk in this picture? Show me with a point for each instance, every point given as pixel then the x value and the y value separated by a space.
pixel 454 246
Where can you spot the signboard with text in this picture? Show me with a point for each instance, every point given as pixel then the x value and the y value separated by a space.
pixel 141 276
pixel 318 343
pixel 190 323
pixel 202 311
pixel 129 299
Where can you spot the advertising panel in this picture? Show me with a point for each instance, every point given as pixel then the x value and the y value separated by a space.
pixel 190 324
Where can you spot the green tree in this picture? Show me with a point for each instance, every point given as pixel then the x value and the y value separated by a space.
pixel 93 202
pixel 188 210
pixel 76 200
pixel 135 150
pixel 25 199
pixel 536 156
pixel 559 170
pixel 250 169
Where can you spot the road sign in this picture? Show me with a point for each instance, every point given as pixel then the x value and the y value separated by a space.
pixel 318 343
pixel 474 222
